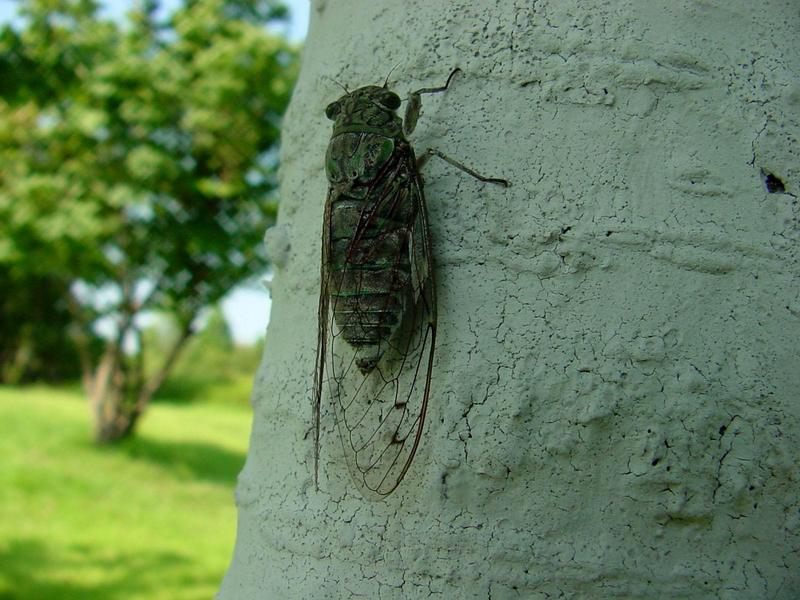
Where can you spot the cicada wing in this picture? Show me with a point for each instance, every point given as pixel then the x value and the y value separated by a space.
pixel 322 330
pixel 425 315
pixel 380 416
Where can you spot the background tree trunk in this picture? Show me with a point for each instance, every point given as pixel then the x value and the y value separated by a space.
pixel 118 390
pixel 614 406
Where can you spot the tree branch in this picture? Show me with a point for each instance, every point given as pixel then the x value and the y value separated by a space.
pixel 155 382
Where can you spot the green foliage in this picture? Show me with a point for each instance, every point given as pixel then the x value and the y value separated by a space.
pixel 35 317
pixel 140 160
pixel 150 518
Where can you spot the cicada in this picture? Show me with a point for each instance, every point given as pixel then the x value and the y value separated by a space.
pixel 377 303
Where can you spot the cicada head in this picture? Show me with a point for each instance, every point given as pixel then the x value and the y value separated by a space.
pixel 369 109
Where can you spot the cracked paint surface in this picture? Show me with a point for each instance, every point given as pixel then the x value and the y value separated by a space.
pixel 614 406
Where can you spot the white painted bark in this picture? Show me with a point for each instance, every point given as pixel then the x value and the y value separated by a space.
pixel 614 410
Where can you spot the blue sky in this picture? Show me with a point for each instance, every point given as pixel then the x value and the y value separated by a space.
pixel 295 31
pixel 246 308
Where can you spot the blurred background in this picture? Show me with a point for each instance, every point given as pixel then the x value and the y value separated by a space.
pixel 139 145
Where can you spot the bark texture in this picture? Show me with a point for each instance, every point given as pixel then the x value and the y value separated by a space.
pixel 614 406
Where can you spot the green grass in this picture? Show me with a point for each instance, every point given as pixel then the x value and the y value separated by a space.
pixel 152 517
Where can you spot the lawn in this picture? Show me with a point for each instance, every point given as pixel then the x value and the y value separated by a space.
pixel 152 517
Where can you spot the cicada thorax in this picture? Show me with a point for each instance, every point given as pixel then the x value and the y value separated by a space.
pixel 370 224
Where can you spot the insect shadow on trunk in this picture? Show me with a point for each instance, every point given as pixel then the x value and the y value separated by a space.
pixel 377 304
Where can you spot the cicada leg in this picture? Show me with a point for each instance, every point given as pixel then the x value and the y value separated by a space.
pixel 423 158
pixel 415 103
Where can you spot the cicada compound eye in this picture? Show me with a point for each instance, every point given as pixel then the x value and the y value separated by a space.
pixel 333 109
pixel 390 100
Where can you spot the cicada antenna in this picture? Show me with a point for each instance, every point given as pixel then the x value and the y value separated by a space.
pixel 386 81
pixel 346 91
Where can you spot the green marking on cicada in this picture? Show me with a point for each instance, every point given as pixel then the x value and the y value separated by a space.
pixel 377 305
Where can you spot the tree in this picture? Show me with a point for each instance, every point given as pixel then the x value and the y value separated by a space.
pixel 613 408
pixel 35 316
pixel 212 365
pixel 139 164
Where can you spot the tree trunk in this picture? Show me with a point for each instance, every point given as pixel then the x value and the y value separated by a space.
pixel 13 372
pixel 613 411
pixel 110 396
pixel 119 393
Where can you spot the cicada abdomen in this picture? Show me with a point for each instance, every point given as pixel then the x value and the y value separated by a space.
pixel 370 263
pixel 377 307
